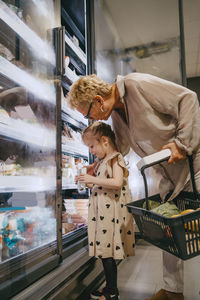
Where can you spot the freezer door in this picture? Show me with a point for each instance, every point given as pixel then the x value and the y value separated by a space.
pixel 28 154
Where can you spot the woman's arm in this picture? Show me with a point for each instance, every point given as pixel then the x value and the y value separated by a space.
pixel 175 101
pixel 115 182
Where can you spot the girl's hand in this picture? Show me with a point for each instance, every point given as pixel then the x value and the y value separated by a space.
pixel 91 168
pixel 177 153
pixel 86 178
pixel 76 179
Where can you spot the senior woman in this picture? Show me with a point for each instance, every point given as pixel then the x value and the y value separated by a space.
pixel 149 114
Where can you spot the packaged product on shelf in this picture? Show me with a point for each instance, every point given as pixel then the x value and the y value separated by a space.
pixel 82 207
pixel 12 231
pixel 4 116
pixel 70 206
pixel 65 159
pixel 71 74
pixel 69 170
pixel 66 134
pixel 76 135
pixel 68 227
pixel 78 219
pixel 80 185
pixel 19 64
pixel 76 213
pixel 42 225
pixel 80 163
pixel 6 53
pixel 67 60
pixel 24 230
pixel 75 41
pixel 64 217
pixel 26 113
pixel 9 169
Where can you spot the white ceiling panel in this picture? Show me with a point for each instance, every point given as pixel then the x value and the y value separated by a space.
pixel 141 22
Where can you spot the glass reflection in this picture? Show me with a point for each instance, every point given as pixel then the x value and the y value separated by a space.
pixel 27 127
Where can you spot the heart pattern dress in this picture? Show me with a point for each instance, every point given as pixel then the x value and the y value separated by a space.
pixel 110 225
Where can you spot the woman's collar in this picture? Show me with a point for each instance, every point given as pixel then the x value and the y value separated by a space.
pixel 121 88
pixel 120 85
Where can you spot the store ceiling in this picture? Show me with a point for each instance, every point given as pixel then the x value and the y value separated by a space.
pixel 153 27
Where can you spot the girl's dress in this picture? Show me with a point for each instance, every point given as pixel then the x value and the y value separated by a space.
pixel 110 225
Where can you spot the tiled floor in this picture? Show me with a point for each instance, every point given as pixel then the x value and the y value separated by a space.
pixel 139 277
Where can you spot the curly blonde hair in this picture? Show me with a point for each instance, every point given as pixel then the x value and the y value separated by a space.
pixel 83 91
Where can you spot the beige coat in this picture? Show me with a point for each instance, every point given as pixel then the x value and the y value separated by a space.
pixel 110 226
pixel 159 112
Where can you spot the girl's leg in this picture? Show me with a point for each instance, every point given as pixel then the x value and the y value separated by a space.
pixel 110 269
pixel 110 291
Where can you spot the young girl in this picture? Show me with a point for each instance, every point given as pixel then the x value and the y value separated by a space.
pixel 110 226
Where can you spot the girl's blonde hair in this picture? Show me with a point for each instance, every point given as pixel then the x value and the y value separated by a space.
pixel 99 129
pixel 83 91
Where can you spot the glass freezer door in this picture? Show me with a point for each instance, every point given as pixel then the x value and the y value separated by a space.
pixel 27 133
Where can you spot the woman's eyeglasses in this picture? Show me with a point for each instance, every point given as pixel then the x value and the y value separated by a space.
pixel 87 116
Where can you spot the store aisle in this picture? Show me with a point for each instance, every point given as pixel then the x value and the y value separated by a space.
pixel 141 276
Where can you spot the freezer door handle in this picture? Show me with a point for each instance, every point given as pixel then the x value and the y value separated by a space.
pixel 59 43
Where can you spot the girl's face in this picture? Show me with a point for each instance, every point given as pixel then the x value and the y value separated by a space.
pixel 96 147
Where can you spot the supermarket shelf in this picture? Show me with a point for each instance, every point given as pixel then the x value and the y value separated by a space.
pixel 79 69
pixel 68 186
pixel 73 119
pixel 71 74
pixel 28 133
pixel 75 149
pixel 42 89
pixel 27 183
pixel 74 114
pixel 76 49
pixel 65 83
pixel 41 49
pixel 6 83
pixel 69 22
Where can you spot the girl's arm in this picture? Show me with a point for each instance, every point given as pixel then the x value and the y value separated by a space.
pixel 91 168
pixel 115 182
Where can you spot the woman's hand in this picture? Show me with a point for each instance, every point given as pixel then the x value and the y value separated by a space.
pixel 177 153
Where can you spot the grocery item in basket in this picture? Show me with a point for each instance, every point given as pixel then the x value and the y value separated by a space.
pixel 167 209
pixel 187 211
pixel 152 204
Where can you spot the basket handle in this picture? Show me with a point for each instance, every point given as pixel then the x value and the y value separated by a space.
pixel 194 190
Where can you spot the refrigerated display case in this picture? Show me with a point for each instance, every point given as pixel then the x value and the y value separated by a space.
pixel 43 216
pixel 75 154
pixel 28 153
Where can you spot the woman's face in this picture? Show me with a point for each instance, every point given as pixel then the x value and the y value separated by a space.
pixel 98 110
pixel 95 146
